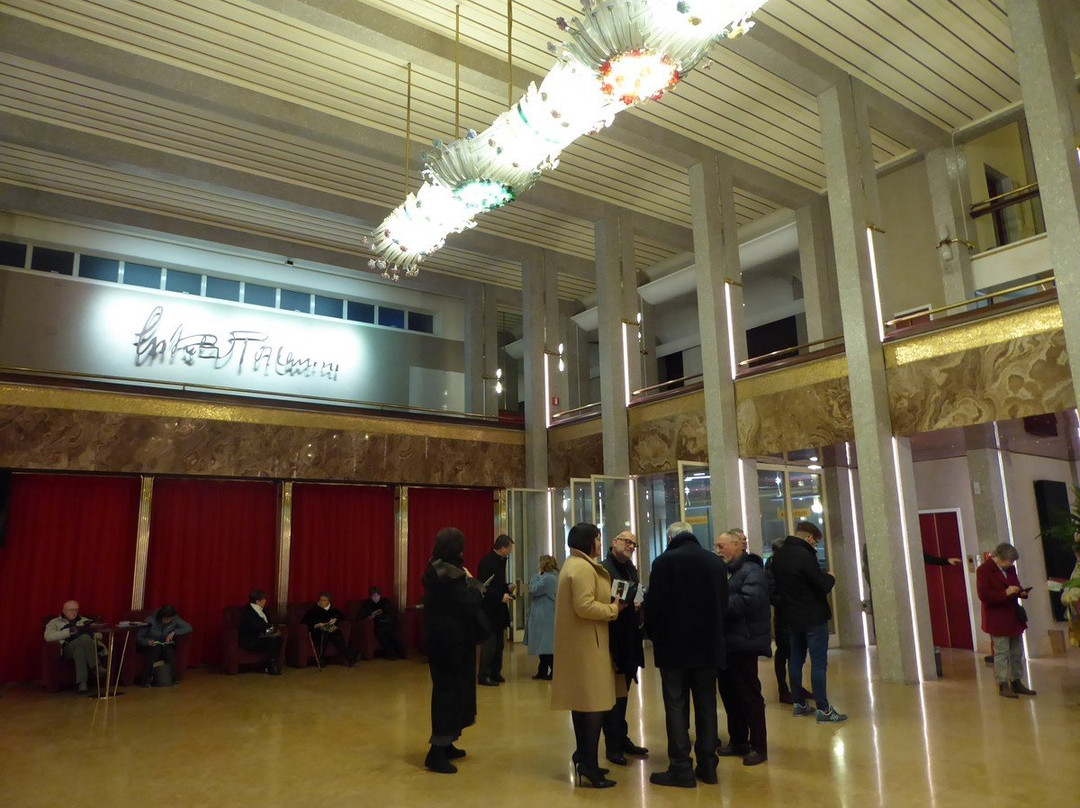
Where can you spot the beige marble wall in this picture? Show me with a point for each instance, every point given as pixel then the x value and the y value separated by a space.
pixel 664 432
pixel 991 370
pixel 66 430
pixel 575 450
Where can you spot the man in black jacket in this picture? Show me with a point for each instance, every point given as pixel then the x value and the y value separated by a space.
pixel 497 594
pixel 684 617
pixel 803 589
pixel 624 639
pixel 747 635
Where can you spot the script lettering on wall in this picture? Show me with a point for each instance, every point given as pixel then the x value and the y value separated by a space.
pixel 251 352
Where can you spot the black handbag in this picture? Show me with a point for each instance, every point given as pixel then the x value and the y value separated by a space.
pixel 1021 614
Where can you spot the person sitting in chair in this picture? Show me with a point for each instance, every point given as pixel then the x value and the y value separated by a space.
pixel 157 639
pixel 77 642
pixel 258 634
pixel 323 624
pixel 382 612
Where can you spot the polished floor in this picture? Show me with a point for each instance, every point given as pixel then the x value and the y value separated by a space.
pixel 357 738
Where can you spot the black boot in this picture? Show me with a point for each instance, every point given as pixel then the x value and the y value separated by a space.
pixel 1022 689
pixel 437 761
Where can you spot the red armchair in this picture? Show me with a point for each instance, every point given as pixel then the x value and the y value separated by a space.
pixel 233 656
pixel 298 651
pixel 134 662
pixel 363 643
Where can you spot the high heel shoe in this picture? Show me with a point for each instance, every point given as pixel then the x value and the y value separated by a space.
pixel 574 760
pixel 594 779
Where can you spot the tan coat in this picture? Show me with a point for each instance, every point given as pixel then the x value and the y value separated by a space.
pixel 584 675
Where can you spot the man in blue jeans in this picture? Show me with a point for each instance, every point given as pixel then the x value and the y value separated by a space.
pixel 803 590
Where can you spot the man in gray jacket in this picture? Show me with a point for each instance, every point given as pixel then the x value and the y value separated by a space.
pixel 747 635
pixel 76 643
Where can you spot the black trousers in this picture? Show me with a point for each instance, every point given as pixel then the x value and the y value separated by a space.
pixel 781 657
pixel 491 654
pixel 546 666
pixel 386 634
pixel 165 653
pixel 679 686
pixel 740 690
pixel 616 730
pixel 321 640
pixel 269 647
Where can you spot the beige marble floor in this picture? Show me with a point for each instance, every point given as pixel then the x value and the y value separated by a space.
pixel 356 738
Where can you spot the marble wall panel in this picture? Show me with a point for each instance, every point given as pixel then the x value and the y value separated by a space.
pixel 664 432
pixel 78 431
pixel 575 450
pixel 1025 375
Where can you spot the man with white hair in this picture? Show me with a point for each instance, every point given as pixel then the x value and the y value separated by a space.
pixel 76 643
pixel 684 617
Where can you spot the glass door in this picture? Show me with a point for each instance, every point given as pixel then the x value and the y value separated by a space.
pixel 613 506
pixel 530 521
pixel 581 501
pixel 695 504
pixel 658 501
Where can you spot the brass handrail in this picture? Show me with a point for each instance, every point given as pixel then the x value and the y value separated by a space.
pixel 665 384
pixel 582 408
pixel 1007 199
pixel 795 348
pixel 1049 280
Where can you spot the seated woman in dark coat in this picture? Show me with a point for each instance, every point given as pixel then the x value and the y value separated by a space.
pixel 323 624
pixel 453 626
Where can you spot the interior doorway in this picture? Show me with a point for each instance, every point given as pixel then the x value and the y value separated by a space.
pixel 946 586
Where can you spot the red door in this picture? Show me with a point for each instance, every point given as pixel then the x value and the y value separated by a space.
pixel 945 586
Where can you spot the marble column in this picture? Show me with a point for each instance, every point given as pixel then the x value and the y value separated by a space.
pixel 481 349
pixel 946 170
pixel 889 510
pixel 612 230
pixel 820 296
pixel 1048 86
pixel 716 258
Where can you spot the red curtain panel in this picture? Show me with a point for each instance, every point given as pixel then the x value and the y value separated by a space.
pixel 211 542
pixel 472 511
pixel 69 537
pixel 342 541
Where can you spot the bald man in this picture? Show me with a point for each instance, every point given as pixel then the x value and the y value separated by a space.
pixel 76 643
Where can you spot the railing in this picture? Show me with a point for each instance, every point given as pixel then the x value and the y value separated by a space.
pixel 1014 216
pixel 982 301
pixel 787 353
pixel 566 415
pixel 664 387
pixel 1005 200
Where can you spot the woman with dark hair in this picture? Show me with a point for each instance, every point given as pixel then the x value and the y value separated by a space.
pixel 454 626
pixel 584 682
pixel 157 639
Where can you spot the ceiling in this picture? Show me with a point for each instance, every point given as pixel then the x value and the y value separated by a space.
pixel 280 124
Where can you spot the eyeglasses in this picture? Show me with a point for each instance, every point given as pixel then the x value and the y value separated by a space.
pixel 629 543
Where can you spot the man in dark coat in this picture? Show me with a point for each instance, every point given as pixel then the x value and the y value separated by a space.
pixel 258 634
pixel 803 589
pixel 747 636
pixel 497 595
pixel 381 612
pixel 1003 618
pixel 684 617
pixel 624 639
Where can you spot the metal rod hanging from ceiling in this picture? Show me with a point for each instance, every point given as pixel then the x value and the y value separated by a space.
pixel 457 70
pixel 509 53
pixel 408 123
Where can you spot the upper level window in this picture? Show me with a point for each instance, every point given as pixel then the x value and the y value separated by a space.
pixel 12 254
pixel 295 301
pixel 222 288
pixel 360 312
pixel 186 282
pixel 99 269
pixel 260 295
pixel 329 306
pixel 142 275
pixel 394 318
pixel 421 322
pixel 60 261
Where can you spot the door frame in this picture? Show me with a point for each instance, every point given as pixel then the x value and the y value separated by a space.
pixel 975 631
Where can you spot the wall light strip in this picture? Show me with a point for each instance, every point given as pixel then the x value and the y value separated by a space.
pixel 874 278
pixel 1008 527
pixel 730 329
pixel 904 535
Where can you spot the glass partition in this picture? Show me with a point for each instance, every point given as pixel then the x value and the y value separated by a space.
pixel 696 501
pixel 529 522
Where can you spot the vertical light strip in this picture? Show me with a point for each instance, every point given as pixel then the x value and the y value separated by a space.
pixel 626 363
pixel 284 546
pixel 742 496
pixel 874 278
pixel 1008 527
pixel 401 546
pixel 907 559
pixel 547 391
pixel 632 491
pixel 142 543
pixel 551 521
pixel 730 328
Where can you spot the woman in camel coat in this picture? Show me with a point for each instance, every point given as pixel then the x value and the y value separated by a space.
pixel 584 682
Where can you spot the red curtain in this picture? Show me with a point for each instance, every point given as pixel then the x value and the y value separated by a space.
pixel 472 511
pixel 69 537
pixel 342 541
pixel 211 542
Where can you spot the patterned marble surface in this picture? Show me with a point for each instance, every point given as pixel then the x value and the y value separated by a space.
pixel 101 436
pixel 667 431
pixel 800 418
pixel 575 450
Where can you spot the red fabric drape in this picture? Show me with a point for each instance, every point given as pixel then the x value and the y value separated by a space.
pixel 211 542
pixel 342 541
pixel 472 511
pixel 69 537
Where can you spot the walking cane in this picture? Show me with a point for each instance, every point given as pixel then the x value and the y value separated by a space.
pixel 318 658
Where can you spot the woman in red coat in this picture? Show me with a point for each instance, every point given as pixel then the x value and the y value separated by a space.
pixel 1003 618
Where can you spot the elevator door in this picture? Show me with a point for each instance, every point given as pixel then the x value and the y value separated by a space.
pixel 946 587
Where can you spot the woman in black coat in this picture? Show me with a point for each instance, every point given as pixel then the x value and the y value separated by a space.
pixel 453 627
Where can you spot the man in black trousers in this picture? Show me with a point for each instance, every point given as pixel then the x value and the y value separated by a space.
pixel 624 639
pixel 684 617
pixel 258 634
pixel 497 595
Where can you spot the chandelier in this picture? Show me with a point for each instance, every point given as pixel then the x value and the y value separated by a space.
pixel 619 54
